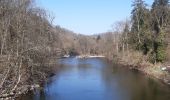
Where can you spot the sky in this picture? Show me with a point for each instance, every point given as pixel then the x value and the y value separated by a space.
pixel 87 16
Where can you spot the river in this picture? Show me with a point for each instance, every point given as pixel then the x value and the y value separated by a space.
pixel 97 79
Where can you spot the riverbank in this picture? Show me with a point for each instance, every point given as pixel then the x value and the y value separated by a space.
pixel 90 56
pixel 29 81
pixel 85 56
pixel 138 61
pixel 25 89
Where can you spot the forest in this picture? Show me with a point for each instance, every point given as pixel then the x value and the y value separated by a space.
pixel 30 44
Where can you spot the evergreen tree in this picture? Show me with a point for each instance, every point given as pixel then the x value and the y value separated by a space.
pixel 160 17
pixel 140 23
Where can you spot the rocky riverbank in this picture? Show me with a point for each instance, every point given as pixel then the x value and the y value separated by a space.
pixel 139 62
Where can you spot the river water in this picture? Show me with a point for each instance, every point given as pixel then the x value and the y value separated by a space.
pixel 97 79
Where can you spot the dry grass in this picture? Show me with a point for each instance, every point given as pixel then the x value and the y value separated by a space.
pixel 136 60
pixel 133 59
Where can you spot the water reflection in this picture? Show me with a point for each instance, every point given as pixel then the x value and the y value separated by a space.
pixel 96 79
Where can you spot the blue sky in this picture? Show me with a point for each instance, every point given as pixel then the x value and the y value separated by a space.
pixel 88 16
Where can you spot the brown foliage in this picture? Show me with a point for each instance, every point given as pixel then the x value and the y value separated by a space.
pixel 26 46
